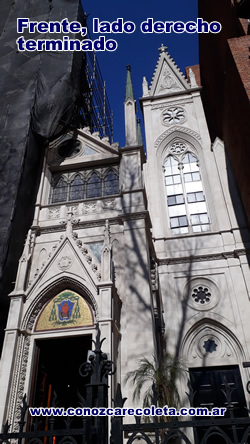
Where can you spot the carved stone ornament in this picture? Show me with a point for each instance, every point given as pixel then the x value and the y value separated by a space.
pixel 174 129
pixel 173 115
pixel 109 204
pixel 18 383
pixel 64 263
pixel 54 213
pixel 168 81
pixel 178 148
pixel 74 210
pixel 90 208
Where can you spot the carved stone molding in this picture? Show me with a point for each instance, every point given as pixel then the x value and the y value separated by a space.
pixel 134 216
pixel 175 128
pixel 18 382
pixel 173 103
pixel 201 258
pixel 81 224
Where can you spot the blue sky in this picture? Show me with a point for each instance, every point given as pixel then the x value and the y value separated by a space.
pixel 138 49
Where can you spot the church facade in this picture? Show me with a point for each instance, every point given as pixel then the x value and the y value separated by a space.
pixel 151 249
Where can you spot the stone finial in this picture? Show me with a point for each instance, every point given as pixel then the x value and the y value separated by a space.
pixel 71 220
pixel 192 79
pixel 106 263
pixel 130 112
pixel 107 233
pixel 129 94
pixel 144 87
pixel 162 48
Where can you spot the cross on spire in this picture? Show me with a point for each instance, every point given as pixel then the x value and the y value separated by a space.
pixel 162 48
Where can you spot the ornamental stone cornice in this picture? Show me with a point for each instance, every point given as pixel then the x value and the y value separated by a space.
pixel 80 224
pixel 134 216
pixel 235 254
pixel 172 103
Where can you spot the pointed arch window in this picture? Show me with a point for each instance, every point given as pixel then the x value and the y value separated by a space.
pixel 185 195
pixel 84 184
pixel 60 191
pixel 76 191
pixel 111 183
pixel 94 186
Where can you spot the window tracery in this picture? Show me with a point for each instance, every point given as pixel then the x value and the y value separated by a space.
pixel 84 185
pixel 185 195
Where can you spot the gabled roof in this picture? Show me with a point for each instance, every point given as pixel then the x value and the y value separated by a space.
pixel 72 256
pixel 167 77
pixel 90 147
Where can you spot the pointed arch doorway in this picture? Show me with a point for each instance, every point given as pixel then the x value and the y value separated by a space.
pixel 56 369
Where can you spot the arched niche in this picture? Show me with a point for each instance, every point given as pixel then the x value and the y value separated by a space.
pixel 67 309
pixel 50 291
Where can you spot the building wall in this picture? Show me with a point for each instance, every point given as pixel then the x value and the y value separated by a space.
pixel 213 261
pixel 99 248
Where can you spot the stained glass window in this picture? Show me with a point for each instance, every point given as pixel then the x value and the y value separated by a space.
pixel 111 184
pixel 84 185
pixel 94 186
pixel 60 191
pixel 76 191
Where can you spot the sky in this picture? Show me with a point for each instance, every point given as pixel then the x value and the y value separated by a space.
pixel 140 50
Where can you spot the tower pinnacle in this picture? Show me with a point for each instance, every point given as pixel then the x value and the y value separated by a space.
pixel 129 94
pixel 130 112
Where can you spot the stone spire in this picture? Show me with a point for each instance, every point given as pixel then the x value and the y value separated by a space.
pixel 130 112
pixel 129 94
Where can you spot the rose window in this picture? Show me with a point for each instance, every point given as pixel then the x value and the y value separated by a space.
pixel 201 295
pixel 173 115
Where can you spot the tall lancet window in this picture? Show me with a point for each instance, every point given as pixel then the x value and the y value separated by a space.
pixel 185 195
pixel 60 191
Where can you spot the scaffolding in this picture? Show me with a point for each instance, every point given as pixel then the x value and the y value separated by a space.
pixel 95 109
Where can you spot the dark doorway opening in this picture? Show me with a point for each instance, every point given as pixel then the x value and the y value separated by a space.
pixel 57 363
pixel 208 384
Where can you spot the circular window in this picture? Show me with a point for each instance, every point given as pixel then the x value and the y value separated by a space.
pixel 173 115
pixel 201 293
pixel 69 148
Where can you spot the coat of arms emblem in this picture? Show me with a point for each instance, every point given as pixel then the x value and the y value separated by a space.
pixel 65 309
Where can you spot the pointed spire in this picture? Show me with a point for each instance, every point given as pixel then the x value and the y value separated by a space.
pixel 139 133
pixel 130 112
pixel 129 94
pixel 144 87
